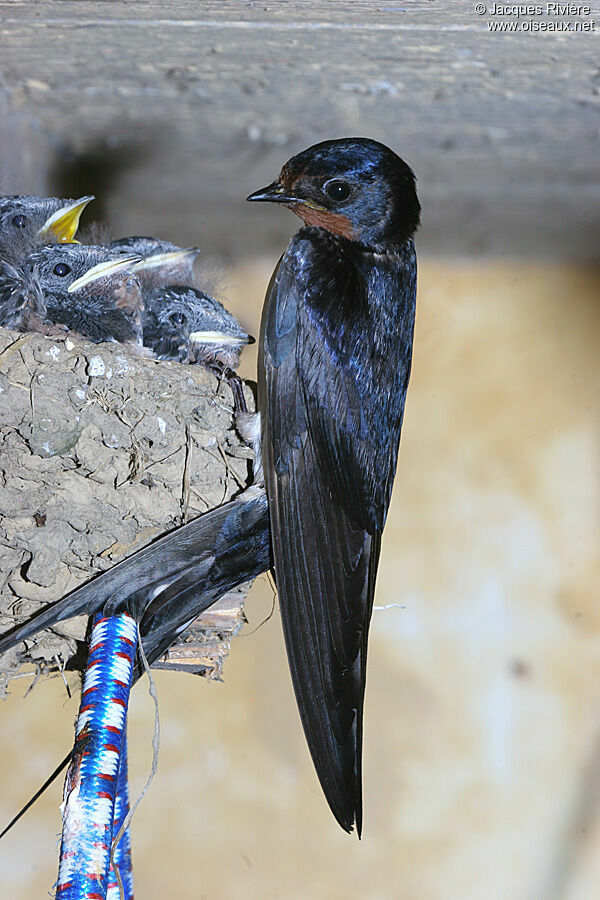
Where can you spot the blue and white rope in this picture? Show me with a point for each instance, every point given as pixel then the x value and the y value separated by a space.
pixel 88 808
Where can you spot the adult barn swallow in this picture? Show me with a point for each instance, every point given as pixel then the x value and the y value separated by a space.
pixel 334 365
pixel 86 289
pixel 30 222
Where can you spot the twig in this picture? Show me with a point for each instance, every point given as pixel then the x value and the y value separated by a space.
pixel 229 468
pixel 267 617
pixel 16 344
pixel 61 669
pixel 185 481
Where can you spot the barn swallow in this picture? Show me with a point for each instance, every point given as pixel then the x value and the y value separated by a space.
pixel 85 289
pixel 185 324
pixel 182 322
pixel 334 364
pixel 336 347
pixel 30 222
pixel 162 263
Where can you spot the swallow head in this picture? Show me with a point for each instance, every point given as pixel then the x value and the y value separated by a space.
pixel 143 245
pixel 162 262
pixel 186 324
pixel 85 270
pixel 89 289
pixel 355 188
pixel 27 222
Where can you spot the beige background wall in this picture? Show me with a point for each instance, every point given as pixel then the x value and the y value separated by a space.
pixel 482 747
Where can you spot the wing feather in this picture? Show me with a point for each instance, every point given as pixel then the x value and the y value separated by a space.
pixel 321 460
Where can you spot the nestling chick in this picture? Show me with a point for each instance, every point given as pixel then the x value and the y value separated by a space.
pixel 186 324
pixel 162 262
pixel 85 289
pixel 30 222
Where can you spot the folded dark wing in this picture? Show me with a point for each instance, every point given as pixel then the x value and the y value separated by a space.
pixel 324 524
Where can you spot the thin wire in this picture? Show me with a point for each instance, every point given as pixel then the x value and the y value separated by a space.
pixel 266 619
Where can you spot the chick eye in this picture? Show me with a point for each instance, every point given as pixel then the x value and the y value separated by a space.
pixel 337 190
pixel 19 221
pixel 177 318
pixel 62 269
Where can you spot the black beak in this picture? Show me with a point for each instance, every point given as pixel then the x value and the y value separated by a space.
pixel 273 193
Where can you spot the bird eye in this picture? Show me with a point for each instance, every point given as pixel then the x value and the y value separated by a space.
pixel 177 318
pixel 62 269
pixel 337 190
pixel 19 221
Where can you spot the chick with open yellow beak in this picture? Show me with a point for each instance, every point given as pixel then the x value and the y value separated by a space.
pixel 62 225
pixel 28 222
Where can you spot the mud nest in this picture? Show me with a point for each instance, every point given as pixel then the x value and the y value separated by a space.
pixel 101 452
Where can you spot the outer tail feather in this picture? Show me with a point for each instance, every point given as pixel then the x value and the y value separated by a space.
pixel 194 553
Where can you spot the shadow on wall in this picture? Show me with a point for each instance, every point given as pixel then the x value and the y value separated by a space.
pixel 97 170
